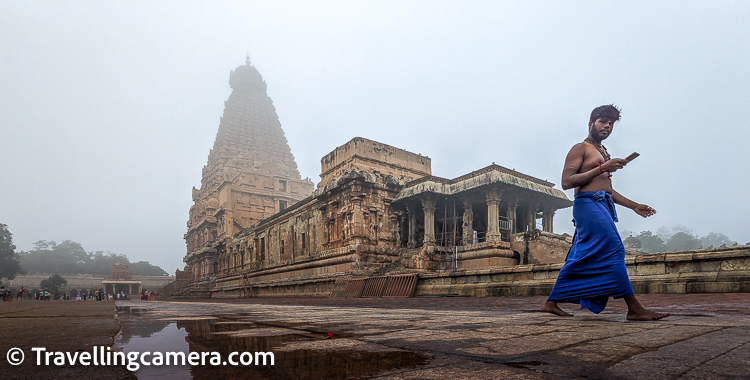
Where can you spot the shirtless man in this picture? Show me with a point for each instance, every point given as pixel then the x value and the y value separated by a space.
pixel 595 269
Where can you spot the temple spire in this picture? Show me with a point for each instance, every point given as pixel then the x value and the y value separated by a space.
pixel 247 59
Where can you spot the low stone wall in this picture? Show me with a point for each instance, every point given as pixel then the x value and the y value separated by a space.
pixel 715 271
pixel 80 281
pixel 312 286
pixel 539 247
pixel 358 258
pixel 307 277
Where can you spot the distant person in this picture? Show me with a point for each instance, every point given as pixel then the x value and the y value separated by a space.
pixel 152 297
pixel 595 267
pixel 19 295
pixel 3 293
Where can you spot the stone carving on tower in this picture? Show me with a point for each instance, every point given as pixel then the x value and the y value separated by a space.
pixel 250 175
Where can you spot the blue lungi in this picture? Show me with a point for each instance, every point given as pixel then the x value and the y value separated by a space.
pixel 595 267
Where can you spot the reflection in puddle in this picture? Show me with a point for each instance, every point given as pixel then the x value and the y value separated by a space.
pixel 300 353
pixel 146 335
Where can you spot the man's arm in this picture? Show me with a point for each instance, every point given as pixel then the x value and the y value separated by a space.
pixel 640 209
pixel 570 176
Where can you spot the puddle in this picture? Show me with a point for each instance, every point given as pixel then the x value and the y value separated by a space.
pixel 301 351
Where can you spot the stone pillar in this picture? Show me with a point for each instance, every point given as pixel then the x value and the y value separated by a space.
pixel 493 215
pixel 390 222
pixel 468 226
pixel 428 205
pixel 547 220
pixel 532 216
pixel 393 227
pixel 358 219
pixel 228 223
pixel 412 243
pixel 512 206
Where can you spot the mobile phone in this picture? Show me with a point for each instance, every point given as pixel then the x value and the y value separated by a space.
pixel 632 156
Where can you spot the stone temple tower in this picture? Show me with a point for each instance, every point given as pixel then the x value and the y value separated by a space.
pixel 250 175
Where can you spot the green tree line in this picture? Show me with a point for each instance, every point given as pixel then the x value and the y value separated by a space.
pixel 678 238
pixel 9 264
pixel 69 257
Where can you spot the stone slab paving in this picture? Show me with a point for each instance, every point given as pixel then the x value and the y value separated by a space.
pixel 68 326
pixel 707 337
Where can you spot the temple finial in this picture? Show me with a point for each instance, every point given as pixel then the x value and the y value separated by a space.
pixel 247 59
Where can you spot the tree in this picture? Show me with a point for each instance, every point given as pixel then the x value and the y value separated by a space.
pixel 50 257
pixel 9 262
pixel 683 241
pixel 716 239
pixel 53 282
pixel 144 268
pixel 70 257
pixel 650 243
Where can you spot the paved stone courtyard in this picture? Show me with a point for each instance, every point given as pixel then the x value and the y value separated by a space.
pixel 707 336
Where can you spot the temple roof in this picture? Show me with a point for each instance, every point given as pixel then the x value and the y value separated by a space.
pixel 245 74
pixel 490 175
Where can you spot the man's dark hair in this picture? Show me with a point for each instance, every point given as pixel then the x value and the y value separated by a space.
pixel 610 111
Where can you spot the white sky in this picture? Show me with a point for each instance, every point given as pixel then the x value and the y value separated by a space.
pixel 108 109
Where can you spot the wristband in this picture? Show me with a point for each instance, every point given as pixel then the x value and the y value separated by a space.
pixel 601 171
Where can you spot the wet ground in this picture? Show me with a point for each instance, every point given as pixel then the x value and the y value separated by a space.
pixel 707 337
pixel 64 326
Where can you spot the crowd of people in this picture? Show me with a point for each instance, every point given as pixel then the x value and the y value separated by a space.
pixel 92 295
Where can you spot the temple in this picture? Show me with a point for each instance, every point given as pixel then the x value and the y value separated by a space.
pixel 120 280
pixel 250 175
pixel 256 226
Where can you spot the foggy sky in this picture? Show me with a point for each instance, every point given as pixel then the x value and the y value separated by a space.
pixel 108 109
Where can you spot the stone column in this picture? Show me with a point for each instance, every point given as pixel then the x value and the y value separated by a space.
pixel 468 226
pixel 548 219
pixel 412 243
pixel 393 226
pixel 428 205
pixel 512 205
pixel 358 219
pixel 532 216
pixel 494 197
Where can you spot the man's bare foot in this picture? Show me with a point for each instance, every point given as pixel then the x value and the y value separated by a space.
pixel 551 307
pixel 645 315
pixel 636 312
